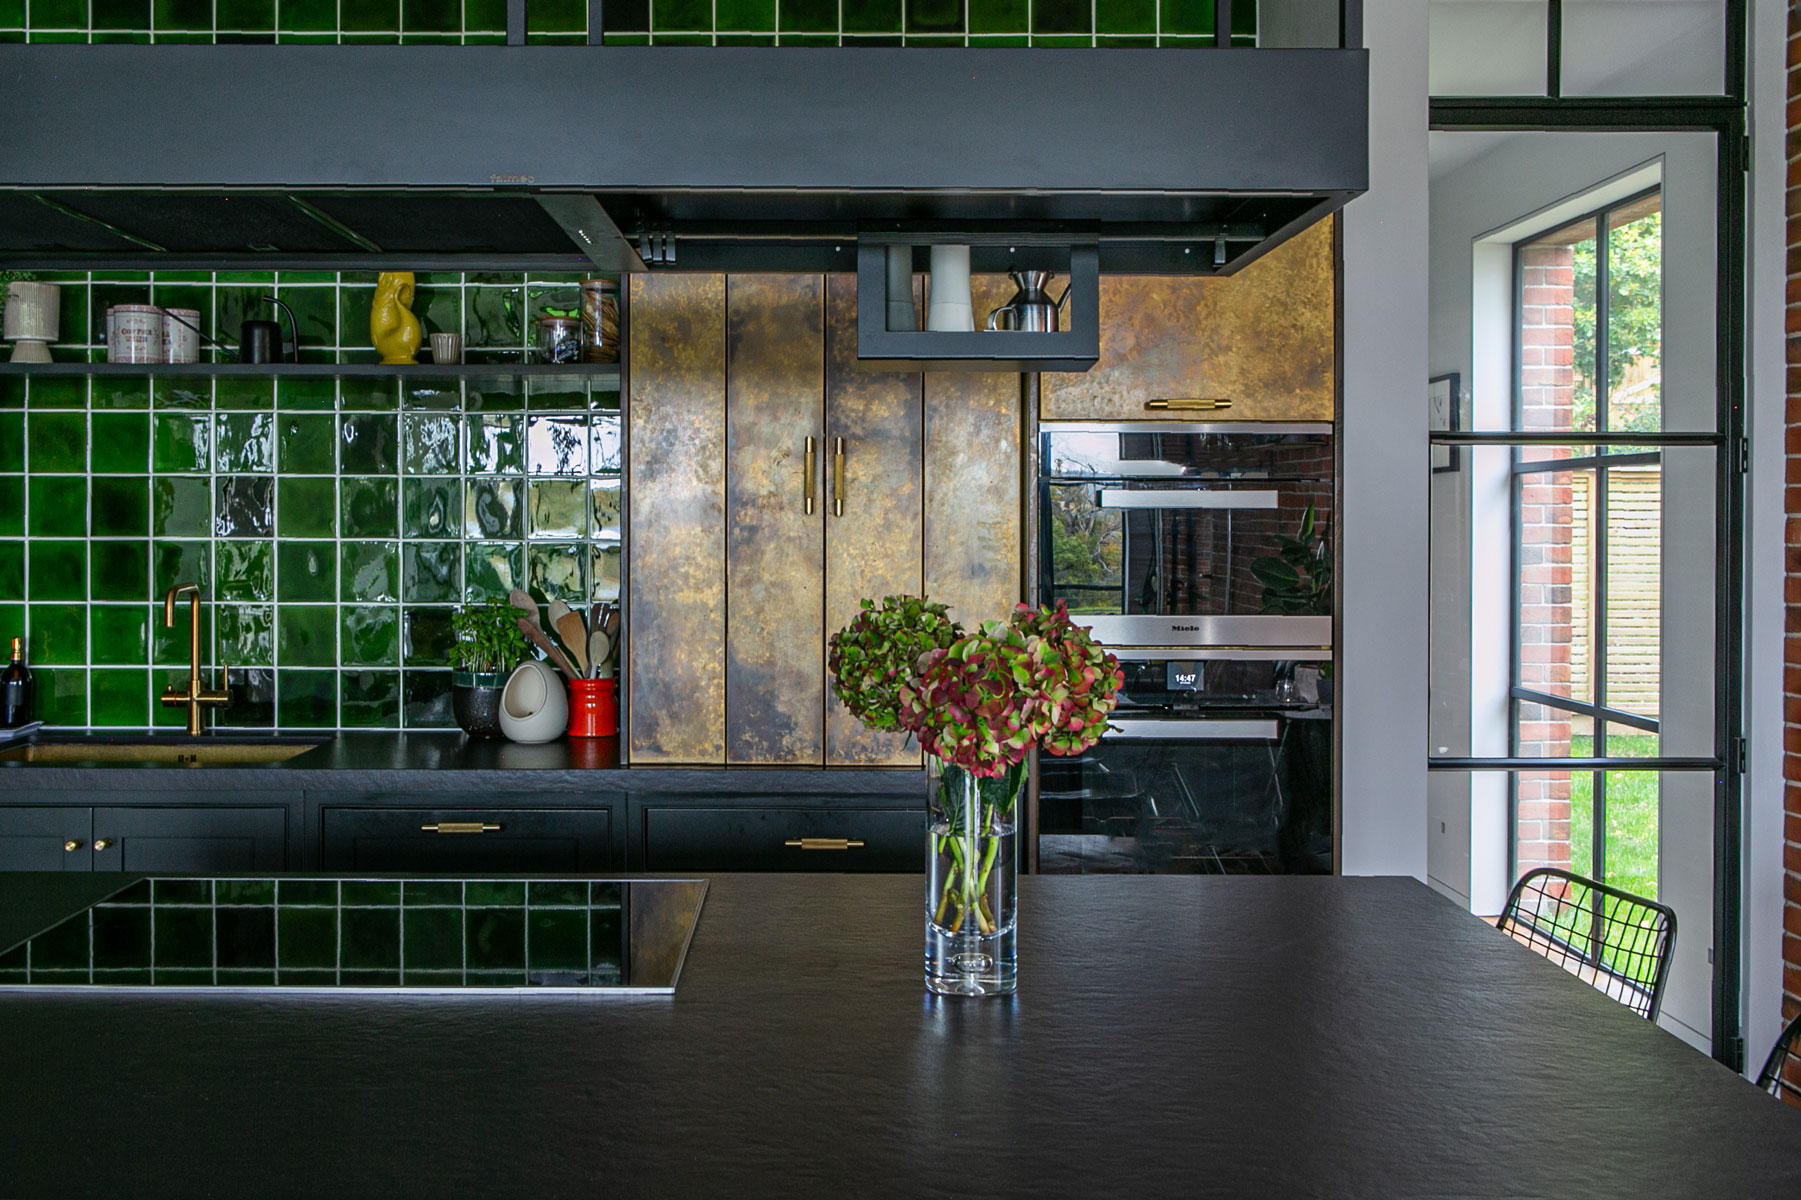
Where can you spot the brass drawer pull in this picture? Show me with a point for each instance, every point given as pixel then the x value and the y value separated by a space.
pixel 812 470
pixel 825 843
pixel 71 846
pixel 838 477
pixel 1186 405
pixel 103 844
pixel 460 827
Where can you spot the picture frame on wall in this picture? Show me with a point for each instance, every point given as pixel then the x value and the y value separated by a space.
pixel 1443 402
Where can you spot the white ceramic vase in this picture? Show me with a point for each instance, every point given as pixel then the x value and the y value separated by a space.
pixel 950 309
pixel 534 706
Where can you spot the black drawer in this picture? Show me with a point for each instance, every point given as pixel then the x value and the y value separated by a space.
pixel 478 840
pixel 784 839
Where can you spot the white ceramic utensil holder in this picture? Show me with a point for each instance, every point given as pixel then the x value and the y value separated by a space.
pixel 534 707
pixel 950 309
pixel 32 320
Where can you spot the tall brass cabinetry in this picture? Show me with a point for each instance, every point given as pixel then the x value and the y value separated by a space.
pixel 774 484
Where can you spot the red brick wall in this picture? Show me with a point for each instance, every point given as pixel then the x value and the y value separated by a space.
pixel 1547 394
pixel 1791 674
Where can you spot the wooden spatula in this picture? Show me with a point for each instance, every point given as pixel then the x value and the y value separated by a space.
pixel 569 627
pixel 530 629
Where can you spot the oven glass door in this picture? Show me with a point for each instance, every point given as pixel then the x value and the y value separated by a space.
pixel 1155 525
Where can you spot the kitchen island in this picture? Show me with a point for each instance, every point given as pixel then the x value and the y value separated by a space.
pixel 1173 1036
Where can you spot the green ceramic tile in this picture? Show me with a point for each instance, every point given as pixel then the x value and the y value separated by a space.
pixel 121 570
pixel 371 571
pixel 12 441
pixel 121 936
pixel 744 14
pixel 557 16
pixel 557 940
pixel 492 569
pixel 874 16
pixel 243 441
pixel 558 508
pixel 558 572
pixel 307 507
pixel 246 570
pixel 12 505
pixel 999 16
pixel 62 695
pixel 181 393
pixel 370 938
pixel 58 506
pixel 495 937
pixel 430 443
pixel 1061 16
pixel 433 938
pixel 431 571
pixel 425 700
pixel 371 507
pixel 119 393
pixel 12 392
pixel 59 634
pixel 494 443
pixel 169 293
pixel 478 893
pixel 120 634
pixel 306 571
pixel 494 317
pixel 308 936
pixel 307 394
pixel 12 574
pixel 247 635
pixel 354 304
pixel 232 392
pixel 432 508
pixel 121 442
pixel 562 893
pixel 315 312
pixel 59 14
pixel 301 893
pixel 1188 16
pixel 492 14
pixel 306 698
pixel 181 442
pixel 119 697
pixel 744 39
pixel 367 444
pixel 243 506
pixel 495 395
pixel 370 699
pixel 309 14
pixel 58 570
pixel 308 444
pixel 370 636
pixel 57 441
pixel 435 395
pixel 180 562
pixel 120 506
pixel 428 637
pixel 492 508
pixel 59 391
pixel 603 573
pixel 181 506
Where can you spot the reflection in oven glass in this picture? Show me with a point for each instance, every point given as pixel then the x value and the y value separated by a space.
pixel 1170 806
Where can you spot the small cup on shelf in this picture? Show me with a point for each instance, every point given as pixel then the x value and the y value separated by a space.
pixel 446 348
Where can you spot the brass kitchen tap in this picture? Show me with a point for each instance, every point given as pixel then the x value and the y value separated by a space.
pixel 194 695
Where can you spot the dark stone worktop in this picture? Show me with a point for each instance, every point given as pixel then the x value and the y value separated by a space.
pixel 450 762
pixel 1173 1036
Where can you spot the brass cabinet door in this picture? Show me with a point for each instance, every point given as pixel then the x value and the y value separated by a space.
pixel 676 499
pixel 1262 341
pixel 972 493
pixel 873 516
pixel 775 536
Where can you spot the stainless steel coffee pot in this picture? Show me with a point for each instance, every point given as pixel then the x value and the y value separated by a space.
pixel 1031 309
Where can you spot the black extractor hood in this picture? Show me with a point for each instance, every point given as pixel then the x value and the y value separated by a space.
pixel 665 158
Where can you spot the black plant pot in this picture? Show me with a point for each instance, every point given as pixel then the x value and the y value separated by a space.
pixel 476 701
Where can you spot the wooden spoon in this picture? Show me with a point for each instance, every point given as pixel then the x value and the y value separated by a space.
pixel 569 627
pixel 599 648
pixel 530 629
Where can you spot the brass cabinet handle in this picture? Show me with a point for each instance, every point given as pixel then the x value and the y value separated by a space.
pixel 825 843
pixel 71 846
pixel 103 843
pixel 812 470
pixel 460 827
pixel 1187 405
pixel 838 477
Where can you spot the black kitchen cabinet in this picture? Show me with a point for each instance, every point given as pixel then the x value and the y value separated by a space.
pixel 207 839
pixel 765 838
pixel 45 839
pixel 488 840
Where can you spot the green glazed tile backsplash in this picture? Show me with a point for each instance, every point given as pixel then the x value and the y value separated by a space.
pixel 1068 23
pixel 332 526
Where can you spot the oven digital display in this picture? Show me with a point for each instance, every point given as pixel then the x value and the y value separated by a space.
pixel 1183 676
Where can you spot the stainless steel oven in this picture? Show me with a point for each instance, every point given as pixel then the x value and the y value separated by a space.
pixel 1201 556
pixel 1166 534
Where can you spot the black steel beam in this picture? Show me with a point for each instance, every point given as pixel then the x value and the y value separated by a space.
pixel 635 118
pixel 1594 114
pixel 593 232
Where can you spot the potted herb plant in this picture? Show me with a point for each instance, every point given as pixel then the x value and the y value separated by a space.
pixel 979 703
pixel 488 644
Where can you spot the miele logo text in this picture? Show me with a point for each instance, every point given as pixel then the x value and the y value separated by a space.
pixel 1185 628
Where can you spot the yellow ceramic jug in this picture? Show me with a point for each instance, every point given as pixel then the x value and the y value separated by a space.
pixel 392 326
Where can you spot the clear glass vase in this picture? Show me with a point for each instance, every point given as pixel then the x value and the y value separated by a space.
pixel 972 872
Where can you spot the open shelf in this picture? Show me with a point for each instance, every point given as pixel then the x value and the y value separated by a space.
pixel 602 373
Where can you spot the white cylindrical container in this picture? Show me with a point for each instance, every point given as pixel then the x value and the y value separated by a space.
pixel 134 333
pixel 901 313
pixel 534 707
pixel 181 335
pixel 32 319
pixel 949 309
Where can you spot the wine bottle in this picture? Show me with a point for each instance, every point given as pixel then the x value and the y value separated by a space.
pixel 18 694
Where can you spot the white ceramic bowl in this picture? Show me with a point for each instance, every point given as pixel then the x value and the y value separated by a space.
pixel 534 707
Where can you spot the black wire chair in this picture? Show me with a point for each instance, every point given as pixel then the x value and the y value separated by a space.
pixel 1781 1074
pixel 1619 942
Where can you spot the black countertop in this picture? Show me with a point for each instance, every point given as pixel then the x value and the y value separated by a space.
pixel 1173 1036
pixel 443 760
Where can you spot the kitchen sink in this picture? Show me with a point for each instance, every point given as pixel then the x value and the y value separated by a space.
pixel 180 752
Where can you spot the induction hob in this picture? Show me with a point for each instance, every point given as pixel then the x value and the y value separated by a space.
pixel 348 935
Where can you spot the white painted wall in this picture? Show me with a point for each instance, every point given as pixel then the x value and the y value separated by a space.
pixel 1383 585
